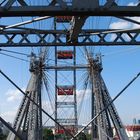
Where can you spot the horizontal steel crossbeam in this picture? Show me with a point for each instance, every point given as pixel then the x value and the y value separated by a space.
pixel 53 10
pixel 65 104
pixel 66 121
pixel 67 67
pixel 59 38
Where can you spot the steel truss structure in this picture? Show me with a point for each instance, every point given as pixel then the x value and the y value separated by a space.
pixel 61 7
pixel 60 38
pixel 29 116
pixel 80 10
pixel 28 121
pixel 101 127
pixel 68 90
pixel 70 122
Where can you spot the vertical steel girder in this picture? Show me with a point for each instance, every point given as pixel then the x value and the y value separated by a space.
pixel 101 100
pixel 78 21
pixel 66 121
pixel 28 117
pixel 75 29
pixel 106 107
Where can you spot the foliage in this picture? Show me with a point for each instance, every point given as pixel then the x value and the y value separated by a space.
pixel 48 134
pixel 88 136
pixel 2 137
pixel 82 136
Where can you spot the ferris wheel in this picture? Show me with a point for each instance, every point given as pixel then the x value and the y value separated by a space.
pixel 66 88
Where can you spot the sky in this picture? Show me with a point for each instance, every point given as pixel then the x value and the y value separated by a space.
pixel 120 65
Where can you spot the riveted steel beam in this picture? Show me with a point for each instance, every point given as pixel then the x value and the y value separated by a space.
pixel 52 10
pixel 59 38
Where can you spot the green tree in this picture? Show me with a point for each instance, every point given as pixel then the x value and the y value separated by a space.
pixel 2 137
pixel 88 136
pixel 48 134
pixel 82 136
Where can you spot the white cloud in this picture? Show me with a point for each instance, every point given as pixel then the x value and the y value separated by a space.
pixel 113 36
pixel 134 26
pixel 48 107
pixel 81 93
pixel 120 25
pixel 13 95
pixel 9 115
pixel 11 103
pixel 132 4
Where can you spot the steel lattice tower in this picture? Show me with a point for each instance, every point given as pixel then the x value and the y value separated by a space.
pixel 102 126
pixel 28 121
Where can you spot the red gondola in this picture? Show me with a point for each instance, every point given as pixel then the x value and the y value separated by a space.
pixel 65 55
pixel 61 131
pixel 65 90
